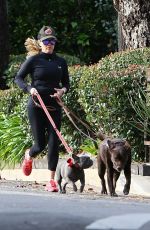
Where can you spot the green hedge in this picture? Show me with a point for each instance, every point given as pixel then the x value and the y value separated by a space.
pixel 108 107
pixel 72 135
pixel 99 94
pixel 104 95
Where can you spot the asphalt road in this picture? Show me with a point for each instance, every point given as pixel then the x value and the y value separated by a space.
pixel 28 206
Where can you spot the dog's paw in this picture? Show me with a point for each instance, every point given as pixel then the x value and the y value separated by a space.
pixel 126 192
pixel 114 194
pixel 104 191
pixel 63 191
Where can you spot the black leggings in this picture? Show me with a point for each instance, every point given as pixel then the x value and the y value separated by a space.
pixel 43 132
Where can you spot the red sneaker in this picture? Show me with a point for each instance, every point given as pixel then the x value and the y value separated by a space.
pixel 27 167
pixel 51 186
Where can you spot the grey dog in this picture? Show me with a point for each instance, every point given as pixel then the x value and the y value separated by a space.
pixel 72 170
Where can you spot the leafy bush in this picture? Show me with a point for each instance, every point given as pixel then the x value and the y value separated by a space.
pixel 104 94
pixel 83 27
pixel 88 147
pixel 71 134
pixel 13 139
pixel 99 94
pixel 9 99
pixel 15 133
pixel 15 62
pixel 121 60
pixel 141 107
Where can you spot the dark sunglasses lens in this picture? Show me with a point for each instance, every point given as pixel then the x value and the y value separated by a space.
pixel 53 42
pixel 47 42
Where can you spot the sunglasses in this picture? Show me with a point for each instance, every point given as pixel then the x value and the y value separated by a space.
pixel 47 42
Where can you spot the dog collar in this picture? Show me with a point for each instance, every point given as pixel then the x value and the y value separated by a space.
pixel 70 162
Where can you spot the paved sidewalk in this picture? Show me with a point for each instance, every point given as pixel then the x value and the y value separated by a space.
pixel 140 185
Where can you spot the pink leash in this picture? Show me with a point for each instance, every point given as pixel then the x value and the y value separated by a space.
pixel 69 149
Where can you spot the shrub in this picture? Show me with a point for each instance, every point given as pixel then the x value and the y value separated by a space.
pixel 104 94
pixel 15 133
pixel 99 94
pixel 14 63
pixel 9 99
pixel 13 139
pixel 71 134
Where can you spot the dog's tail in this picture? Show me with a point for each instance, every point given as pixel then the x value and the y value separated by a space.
pixel 101 135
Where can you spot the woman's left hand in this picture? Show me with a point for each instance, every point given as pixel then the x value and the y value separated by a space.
pixel 59 93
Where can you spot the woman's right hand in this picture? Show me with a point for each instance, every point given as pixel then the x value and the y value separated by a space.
pixel 33 91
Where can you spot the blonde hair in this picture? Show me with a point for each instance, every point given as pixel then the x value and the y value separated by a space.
pixel 32 47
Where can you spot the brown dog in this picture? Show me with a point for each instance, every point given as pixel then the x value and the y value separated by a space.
pixel 114 155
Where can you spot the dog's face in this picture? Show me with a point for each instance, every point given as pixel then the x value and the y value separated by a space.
pixel 83 161
pixel 119 154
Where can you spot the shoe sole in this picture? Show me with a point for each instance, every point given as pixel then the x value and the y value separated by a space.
pixel 49 190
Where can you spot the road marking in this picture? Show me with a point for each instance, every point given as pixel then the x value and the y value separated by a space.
pixel 127 221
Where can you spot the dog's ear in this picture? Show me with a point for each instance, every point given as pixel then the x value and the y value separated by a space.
pixel 110 144
pixel 127 146
pixel 75 157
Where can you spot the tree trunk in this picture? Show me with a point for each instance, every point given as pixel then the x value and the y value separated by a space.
pixel 121 43
pixel 134 18
pixel 4 49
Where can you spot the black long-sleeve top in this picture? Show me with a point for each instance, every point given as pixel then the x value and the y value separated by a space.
pixel 47 71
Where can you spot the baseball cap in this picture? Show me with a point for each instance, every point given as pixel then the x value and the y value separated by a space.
pixel 46 32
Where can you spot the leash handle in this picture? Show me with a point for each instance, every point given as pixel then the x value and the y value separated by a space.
pixel 68 149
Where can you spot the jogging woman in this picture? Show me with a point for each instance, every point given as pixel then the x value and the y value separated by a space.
pixel 50 79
